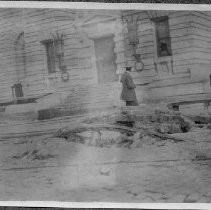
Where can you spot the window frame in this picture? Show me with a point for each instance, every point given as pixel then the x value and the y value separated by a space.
pixel 158 40
pixel 47 44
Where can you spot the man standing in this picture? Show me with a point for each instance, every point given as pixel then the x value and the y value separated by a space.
pixel 128 90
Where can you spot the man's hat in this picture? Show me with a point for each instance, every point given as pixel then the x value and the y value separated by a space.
pixel 128 68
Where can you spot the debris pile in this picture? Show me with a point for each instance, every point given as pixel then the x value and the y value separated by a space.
pixel 35 149
pixel 130 129
pixel 34 155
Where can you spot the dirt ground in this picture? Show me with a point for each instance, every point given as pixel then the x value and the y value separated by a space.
pixel 50 168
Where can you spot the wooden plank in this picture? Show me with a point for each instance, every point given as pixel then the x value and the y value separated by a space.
pixel 200 15
pixel 176 14
pixel 177 90
pixel 180 19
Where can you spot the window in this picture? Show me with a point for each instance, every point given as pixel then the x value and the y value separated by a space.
pixel 210 79
pixel 162 36
pixel 50 54
pixel 54 53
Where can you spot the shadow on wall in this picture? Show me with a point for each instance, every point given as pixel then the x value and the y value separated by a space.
pixel 210 79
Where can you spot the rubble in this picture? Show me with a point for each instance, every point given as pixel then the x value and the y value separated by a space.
pixel 40 149
pixel 150 159
pixel 130 128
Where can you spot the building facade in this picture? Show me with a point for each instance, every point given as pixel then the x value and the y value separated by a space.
pixel 83 52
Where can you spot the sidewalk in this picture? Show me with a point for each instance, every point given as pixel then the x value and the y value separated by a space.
pixel 16 128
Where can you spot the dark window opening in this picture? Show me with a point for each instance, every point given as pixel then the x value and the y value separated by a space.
pixel 210 79
pixel 54 54
pixel 163 39
pixel 50 53
pixel 17 92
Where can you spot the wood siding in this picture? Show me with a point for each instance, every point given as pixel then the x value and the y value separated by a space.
pixel 39 25
pixel 191 57
pixel 190 43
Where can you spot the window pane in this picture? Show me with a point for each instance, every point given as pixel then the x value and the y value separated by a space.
pixel 164 47
pixel 50 57
pixel 162 29
pixel 163 37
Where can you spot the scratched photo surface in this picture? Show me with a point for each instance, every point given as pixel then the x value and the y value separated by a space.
pixel 105 105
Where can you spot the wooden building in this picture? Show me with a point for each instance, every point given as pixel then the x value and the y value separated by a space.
pixel 83 53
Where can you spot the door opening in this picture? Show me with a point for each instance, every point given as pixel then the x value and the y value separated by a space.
pixel 105 59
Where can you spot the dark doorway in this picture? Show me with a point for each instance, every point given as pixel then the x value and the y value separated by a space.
pixel 105 59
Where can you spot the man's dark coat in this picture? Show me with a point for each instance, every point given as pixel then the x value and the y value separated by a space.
pixel 128 92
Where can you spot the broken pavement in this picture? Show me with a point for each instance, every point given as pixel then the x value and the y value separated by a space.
pixel 141 154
